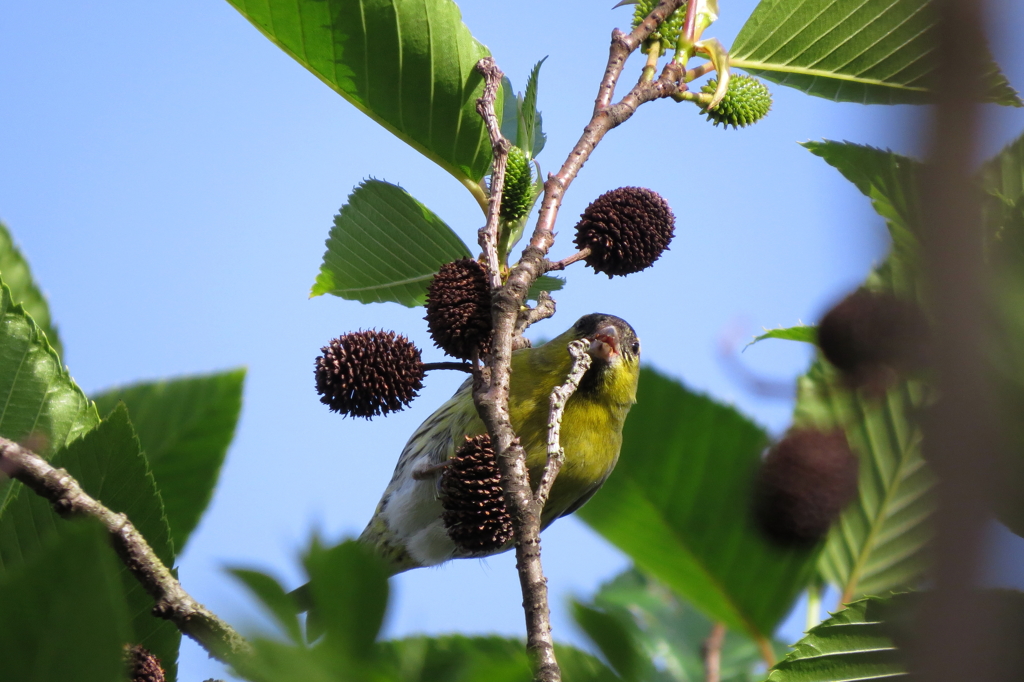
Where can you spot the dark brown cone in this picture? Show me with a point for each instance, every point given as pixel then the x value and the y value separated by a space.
pixel 473 501
pixel 803 485
pixel 367 373
pixel 871 336
pixel 626 229
pixel 142 665
pixel 459 308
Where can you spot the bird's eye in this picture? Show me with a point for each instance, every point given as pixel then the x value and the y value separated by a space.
pixel 636 348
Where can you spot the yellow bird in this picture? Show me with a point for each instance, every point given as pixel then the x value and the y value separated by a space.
pixel 407 528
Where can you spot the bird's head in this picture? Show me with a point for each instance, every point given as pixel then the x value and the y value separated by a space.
pixel 615 350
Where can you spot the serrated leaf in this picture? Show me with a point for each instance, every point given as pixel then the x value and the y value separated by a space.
pixel 531 137
pixel 64 614
pixel 803 333
pixel 671 632
pixel 879 543
pixel 185 426
pixel 109 465
pixel 407 64
pixel 853 644
pixel 41 403
pixel 545 283
pixel 677 505
pixel 873 52
pixel 16 274
pixel 385 246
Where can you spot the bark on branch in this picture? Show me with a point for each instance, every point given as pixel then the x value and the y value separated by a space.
pixel 510 316
pixel 173 603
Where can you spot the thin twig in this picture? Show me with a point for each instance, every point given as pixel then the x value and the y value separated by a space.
pixel 712 650
pixel 544 309
pixel 569 260
pixel 458 366
pixel 173 603
pixel 488 237
pixel 559 397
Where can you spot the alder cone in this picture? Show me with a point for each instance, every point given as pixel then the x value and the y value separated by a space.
pixel 142 665
pixel 474 503
pixel 369 373
pixel 459 309
pixel 804 483
pixel 869 336
pixel 626 230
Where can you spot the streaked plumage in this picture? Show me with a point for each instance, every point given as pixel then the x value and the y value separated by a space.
pixel 407 528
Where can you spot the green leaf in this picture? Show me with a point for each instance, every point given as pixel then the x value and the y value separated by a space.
pixel 531 137
pixel 853 644
pixel 456 658
pixel 671 632
pixel 42 405
pixel 109 465
pixel 385 246
pixel 349 586
pixel 274 598
pixel 407 64
pixel 805 333
pixel 185 425
pixel 17 275
pixel 545 283
pixel 613 638
pixel 873 52
pixel 1003 178
pixel 677 504
pixel 64 614
pixel 880 541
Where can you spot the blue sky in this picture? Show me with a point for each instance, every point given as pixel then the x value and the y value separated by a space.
pixel 172 176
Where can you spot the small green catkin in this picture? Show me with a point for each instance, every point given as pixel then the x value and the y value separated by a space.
pixel 517 195
pixel 668 33
pixel 747 101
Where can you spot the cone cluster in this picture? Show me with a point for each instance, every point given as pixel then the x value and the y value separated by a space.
pixel 459 308
pixel 872 336
pixel 369 373
pixel 142 665
pixel 626 229
pixel 804 483
pixel 746 101
pixel 517 193
pixel 474 504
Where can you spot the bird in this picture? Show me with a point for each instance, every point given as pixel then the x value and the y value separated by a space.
pixel 407 528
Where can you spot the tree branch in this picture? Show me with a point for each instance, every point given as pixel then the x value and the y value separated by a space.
pixel 491 381
pixel 559 397
pixel 173 603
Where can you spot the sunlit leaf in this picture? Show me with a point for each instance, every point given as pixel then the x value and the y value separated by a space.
pixel 43 405
pixel 109 465
pixel 407 64
pixel 804 333
pixel 873 52
pixel 185 425
pixel 385 246
pixel 16 274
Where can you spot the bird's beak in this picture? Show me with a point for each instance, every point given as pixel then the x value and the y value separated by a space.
pixel 604 345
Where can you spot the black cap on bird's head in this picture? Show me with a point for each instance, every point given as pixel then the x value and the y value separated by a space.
pixel 610 337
